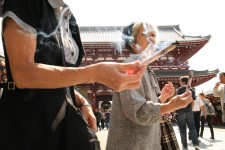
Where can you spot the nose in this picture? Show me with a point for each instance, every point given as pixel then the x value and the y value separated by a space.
pixel 151 40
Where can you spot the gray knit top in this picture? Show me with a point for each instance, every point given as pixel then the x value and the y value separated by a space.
pixel 135 117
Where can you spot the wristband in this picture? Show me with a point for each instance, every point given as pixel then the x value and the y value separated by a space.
pixel 85 104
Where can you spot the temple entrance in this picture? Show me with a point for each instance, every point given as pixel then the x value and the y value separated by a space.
pixel 104 102
pixel 106 105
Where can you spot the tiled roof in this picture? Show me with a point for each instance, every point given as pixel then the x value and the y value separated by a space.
pixel 111 34
pixel 173 32
pixel 176 73
pixel 173 76
pixel 100 34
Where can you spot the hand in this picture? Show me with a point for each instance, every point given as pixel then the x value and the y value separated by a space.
pixel 120 76
pixel 86 110
pixel 89 117
pixel 181 101
pixel 217 85
pixel 167 91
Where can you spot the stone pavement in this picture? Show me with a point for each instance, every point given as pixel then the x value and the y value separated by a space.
pixel 206 144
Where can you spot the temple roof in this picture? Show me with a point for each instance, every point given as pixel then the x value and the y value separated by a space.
pixel 102 34
pixel 175 73
pixel 199 77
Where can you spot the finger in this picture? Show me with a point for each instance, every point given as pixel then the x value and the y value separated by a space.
pixel 138 73
pixel 130 65
pixel 92 123
pixel 134 71
pixel 188 100
pixel 93 127
pixel 130 68
pixel 170 84
pixel 131 81
pixel 134 76
pixel 187 93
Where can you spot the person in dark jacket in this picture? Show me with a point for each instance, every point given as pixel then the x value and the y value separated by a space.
pixel 98 118
pixel 107 118
pixel 43 52
pixel 185 117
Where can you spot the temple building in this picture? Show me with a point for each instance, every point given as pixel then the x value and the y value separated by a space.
pixel 103 43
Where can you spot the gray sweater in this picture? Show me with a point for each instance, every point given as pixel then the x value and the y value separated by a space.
pixel 135 117
pixel 206 102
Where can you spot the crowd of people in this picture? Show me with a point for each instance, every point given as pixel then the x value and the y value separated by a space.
pixel 41 109
pixel 102 118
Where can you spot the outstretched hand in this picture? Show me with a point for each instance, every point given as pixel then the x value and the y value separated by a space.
pixel 167 91
pixel 121 76
pixel 181 101
pixel 217 84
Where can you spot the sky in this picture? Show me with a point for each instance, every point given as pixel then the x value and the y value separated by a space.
pixel 195 17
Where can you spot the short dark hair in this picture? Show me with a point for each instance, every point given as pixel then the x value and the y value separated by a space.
pixel 202 94
pixel 184 79
pixel 127 36
pixel 222 73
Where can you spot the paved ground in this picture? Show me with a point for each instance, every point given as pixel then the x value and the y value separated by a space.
pixel 206 144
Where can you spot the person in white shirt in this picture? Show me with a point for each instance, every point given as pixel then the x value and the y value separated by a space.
pixel 218 91
pixel 197 108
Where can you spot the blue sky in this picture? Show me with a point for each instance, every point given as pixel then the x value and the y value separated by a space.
pixel 195 17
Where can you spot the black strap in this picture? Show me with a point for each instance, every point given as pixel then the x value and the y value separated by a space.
pixel 8 85
pixel 3 85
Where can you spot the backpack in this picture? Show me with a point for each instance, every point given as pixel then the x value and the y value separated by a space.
pixel 210 109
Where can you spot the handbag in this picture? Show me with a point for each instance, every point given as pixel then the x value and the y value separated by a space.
pixel 77 134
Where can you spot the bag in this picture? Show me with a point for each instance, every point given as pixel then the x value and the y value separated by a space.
pixel 78 134
pixel 211 109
